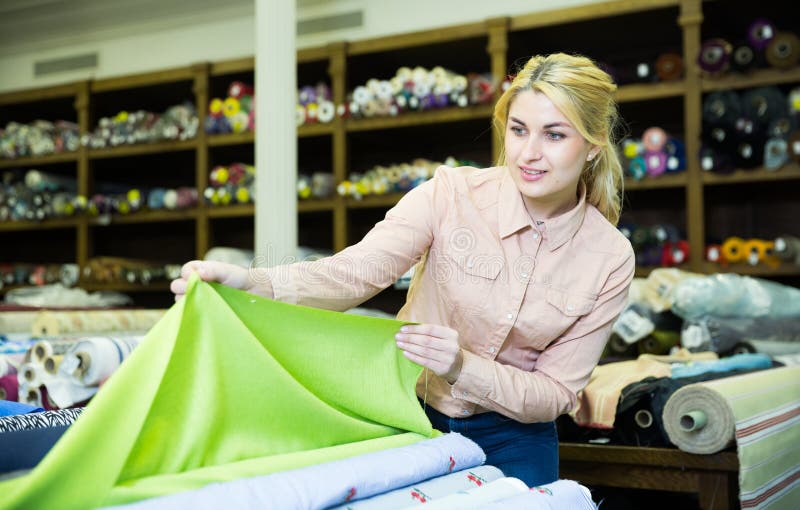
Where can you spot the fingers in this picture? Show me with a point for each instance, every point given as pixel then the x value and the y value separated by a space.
pixel 434 330
pixel 191 267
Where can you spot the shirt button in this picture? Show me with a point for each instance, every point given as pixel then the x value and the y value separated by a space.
pixel 470 263
pixel 570 308
pixel 465 412
pixel 492 350
pixel 510 316
pixel 536 235
pixel 524 275
pixel 464 395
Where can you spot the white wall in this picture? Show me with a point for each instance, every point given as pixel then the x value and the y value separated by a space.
pixel 212 33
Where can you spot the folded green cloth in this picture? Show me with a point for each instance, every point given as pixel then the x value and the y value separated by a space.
pixel 229 385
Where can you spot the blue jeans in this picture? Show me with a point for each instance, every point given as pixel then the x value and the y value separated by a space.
pixel 528 451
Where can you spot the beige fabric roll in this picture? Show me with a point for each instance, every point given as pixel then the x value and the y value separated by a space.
pixel 17 322
pixel 53 323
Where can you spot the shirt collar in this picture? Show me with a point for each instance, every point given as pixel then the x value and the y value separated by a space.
pixel 555 231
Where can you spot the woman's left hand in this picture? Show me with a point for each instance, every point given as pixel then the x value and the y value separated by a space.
pixel 434 347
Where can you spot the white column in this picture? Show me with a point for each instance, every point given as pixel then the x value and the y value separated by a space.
pixel 276 133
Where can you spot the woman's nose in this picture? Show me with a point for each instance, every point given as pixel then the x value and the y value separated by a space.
pixel 532 149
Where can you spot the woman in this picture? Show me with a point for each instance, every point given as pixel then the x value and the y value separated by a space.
pixel 520 270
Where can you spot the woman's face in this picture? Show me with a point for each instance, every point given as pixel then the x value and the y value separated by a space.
pixel 545 154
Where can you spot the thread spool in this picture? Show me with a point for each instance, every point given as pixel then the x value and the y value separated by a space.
pixel 654 139
pixel 637 168
pixel 794 146
pixel 643 418
pixel 788 248
pixel 656 163
pixel 714 254
pixel 9 387
pixel 693 421
pixel 760 33
pixel 714 56
pixel 669 66
pixel 733 249
pixel 783 51
pixel 51 363
pixel 776 153
pixel 743 58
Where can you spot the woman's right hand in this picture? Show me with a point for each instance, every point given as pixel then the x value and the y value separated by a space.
pixel 231 275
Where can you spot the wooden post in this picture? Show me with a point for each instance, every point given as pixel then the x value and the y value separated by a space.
pixel 690 19
pixel 498 52
pixel 337 70
pixel 201 96
pixel 83 243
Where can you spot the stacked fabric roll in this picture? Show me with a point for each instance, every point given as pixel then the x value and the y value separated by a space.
pixel 38 274
pixel 749 129
pixel 66 372
pixel 38 138
pixel 657 245
pixel 234 113
pixel 178 122
pixel 752 251
pixel 381 180
pixel 34 195
pixel 762 45
pixel 111 270
pixel 654 154
pixel 756 411
pixel 315 105
pixel 667 66
pixel 132 199
pixel 231 184
pixel 317 185
pixel 417 89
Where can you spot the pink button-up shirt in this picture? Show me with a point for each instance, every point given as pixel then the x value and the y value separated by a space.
pixel 533 301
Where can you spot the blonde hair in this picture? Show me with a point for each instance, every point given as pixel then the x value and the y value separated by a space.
pixel 584 94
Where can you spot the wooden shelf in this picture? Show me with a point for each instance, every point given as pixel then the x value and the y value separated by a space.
pixel 388 200
pixel 757 78
pixel 231 211
pixel 586 12
pixel 421 38
pixel 407 119
pixel 50 159
pixel 317 205
pixel 244 210
pixel 161 286
pixel 649 91
pixel 40 94
pixel 156 216
pixel 319 129
pixel 248 137
pixel 51 224
pixel 179 74
pixel 676 180
pixel 747 269
pixel 143 149
pixel 644 271
pixel 788 172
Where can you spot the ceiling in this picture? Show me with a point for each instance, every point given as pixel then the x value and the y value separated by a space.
pixel 30 25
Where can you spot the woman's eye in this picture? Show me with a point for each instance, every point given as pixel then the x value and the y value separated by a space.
pixel 517 130
pixel 554 136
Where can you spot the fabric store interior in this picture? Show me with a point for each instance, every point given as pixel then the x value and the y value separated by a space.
pixel 131 143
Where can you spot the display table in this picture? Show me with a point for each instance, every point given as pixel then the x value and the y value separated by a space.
pixel 713 477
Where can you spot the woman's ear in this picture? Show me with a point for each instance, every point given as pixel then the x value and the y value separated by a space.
pixel 593 153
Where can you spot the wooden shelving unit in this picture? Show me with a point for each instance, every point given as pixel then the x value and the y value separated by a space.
pixel 332 146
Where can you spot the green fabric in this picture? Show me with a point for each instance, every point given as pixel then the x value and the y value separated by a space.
pixel 229 385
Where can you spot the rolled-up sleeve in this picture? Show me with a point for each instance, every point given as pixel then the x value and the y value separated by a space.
pixel 360 271
pixel 561 370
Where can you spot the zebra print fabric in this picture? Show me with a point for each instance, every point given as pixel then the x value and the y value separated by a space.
pixel 41 420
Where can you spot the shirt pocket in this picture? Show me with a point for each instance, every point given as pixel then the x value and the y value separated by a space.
pixel 560 309
pixel 470 280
